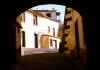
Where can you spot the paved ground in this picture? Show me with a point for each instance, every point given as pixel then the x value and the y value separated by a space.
pixel 47 61
pixel 28 51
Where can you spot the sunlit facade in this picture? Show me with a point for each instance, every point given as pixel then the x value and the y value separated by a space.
pixel 35 25
pixel 73 39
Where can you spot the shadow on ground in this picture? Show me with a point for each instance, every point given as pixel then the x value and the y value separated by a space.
pixel 47 61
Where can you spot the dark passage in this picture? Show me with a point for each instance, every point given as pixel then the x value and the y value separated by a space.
pixel 47 61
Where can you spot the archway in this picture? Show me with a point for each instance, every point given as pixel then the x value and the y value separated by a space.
pixel 22 6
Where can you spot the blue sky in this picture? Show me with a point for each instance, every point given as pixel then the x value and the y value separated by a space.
pixel 59 8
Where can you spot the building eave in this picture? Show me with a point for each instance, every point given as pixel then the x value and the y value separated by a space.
pixel 51 36
pixel 39 14
pixel 17 23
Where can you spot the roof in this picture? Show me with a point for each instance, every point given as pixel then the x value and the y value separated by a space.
pixel 17 23
pixel 45 10
pixel 51 36
pixel 40 14
pixel 35 13
pixel 58 13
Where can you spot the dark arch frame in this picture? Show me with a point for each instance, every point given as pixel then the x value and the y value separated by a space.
pixel 90 17
pixel 24 5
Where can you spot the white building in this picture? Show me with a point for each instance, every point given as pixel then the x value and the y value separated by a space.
pixel 50 13
pixel 36 25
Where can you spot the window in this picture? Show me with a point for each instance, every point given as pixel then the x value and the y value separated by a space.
pixel 23 17
pixel 50 42
pixel 53 31
pixel 48 28
pixel 48 14
pixel 34 20
pixel 55 44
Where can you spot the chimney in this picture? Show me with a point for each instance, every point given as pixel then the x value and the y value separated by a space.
pixel 37 8
pixel 53 8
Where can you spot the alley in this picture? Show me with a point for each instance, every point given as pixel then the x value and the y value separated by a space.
pixel 47 61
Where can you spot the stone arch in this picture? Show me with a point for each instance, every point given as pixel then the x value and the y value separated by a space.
pixel 83 7
pixel 23 5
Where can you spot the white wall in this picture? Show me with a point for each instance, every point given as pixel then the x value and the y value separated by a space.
pixel 43 24
pixel 42 27
pixel 29 29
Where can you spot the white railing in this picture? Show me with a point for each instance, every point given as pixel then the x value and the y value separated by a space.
pixel 48 33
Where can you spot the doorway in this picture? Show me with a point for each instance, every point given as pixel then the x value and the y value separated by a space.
pixel 23 38
pixel 36 40
pixel 55 44
pixel 77 40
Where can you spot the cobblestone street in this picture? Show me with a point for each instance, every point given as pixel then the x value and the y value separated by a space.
pixel 46 61
pixel 28 51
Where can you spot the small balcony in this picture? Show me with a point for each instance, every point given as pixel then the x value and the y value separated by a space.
pixel 45 32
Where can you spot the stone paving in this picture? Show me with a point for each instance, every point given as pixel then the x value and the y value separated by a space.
pixel 48 59
pixel 28 51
